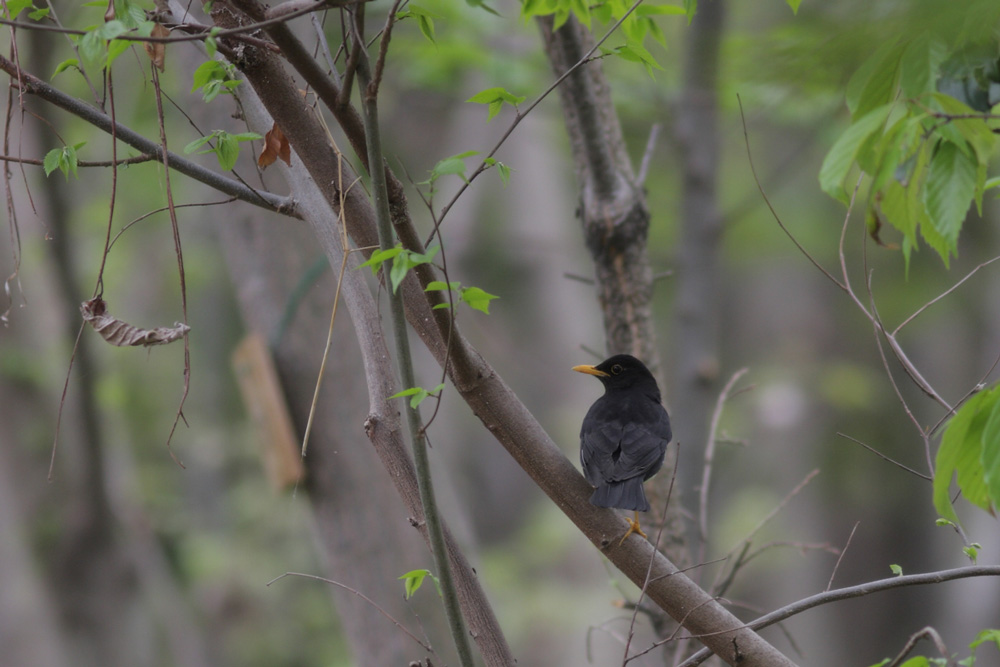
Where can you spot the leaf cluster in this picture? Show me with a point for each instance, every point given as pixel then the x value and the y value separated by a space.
pixel 925 151
pixel 970 451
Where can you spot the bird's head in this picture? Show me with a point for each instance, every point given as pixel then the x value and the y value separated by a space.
pixel 621 371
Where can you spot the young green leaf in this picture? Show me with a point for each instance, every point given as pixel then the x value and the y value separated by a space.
pixel 425 19
pixel 65 65
pixel 413 580
pixel 502 169
pixel 438 285
pixel 495 98
pixel 379 256
pixel 52 160
pixel 896 570
pixel 454 164
pixel 478 298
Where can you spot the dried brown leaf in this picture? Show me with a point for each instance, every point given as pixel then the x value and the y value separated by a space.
pixel 275 146
pixel 123 334
pixel 157 51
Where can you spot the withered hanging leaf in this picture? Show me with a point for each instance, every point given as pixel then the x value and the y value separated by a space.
pixel 275 146
pixel 124 334
pixel 157 51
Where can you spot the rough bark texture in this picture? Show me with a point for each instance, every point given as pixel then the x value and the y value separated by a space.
pixel 612 206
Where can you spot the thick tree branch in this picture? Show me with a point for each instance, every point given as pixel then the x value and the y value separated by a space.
pixel 612 206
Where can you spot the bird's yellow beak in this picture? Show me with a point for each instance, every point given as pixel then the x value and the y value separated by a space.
pixel 590 370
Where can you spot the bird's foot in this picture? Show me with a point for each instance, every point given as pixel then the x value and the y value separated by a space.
pixel 633 527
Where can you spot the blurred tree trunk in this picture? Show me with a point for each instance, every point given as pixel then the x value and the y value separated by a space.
pixel 699 299
pixel 362 527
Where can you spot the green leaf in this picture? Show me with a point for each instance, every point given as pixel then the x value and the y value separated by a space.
pixel 842 155
pixel 662 10
pixel 116 47
pixel 379 256
pixel 211 45
pixel 15 7
pixel 112 29
pixel 502 169
pixel 896 570
pixel 406 260
pixel 989 456
pixel 960 454
pixel 227 150
pixel 197 143
pixel 477 298
pixel 438 285
pixel 873 84
pixel 425 19
pixel 976 131
pixel 413 580
pixel 91 49
pixel 451 165
pixel 794 4
pixel 52 160
pixel 39 14
pixel 65 65
pixel 984 637
pixel 495 98
pixel 895 204
pixel 948 192
pixel 634 51
pixel 920 65
pixel 418 394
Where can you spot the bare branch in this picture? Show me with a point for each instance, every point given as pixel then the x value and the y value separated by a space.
pixel 31 84
pixel 858 591
pixel 425 645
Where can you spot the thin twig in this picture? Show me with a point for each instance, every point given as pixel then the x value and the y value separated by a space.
pixel 886 458
pixel 843 551
pixel 647 155
pixel 706 474
pixel 942 295
pixel 29 83
pixel 425 646
pixel 925 633
pixel 175 229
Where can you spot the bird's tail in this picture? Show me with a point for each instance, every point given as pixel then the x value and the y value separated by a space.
pixel 625 495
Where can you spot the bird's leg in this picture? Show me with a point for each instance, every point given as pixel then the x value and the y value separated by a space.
pixel 633 527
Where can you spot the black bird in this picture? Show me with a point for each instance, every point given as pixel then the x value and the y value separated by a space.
pixel 624 436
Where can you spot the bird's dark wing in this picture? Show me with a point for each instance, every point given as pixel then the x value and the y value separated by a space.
pixel 614 452
pixel 628 441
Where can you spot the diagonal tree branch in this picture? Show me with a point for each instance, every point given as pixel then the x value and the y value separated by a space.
pixel 33 85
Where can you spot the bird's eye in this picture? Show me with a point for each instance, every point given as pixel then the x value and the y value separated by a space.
pixel 616 369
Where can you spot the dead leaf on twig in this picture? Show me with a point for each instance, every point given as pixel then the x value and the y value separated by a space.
pixel 275 146
pixel 124 334
pixel 157 51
